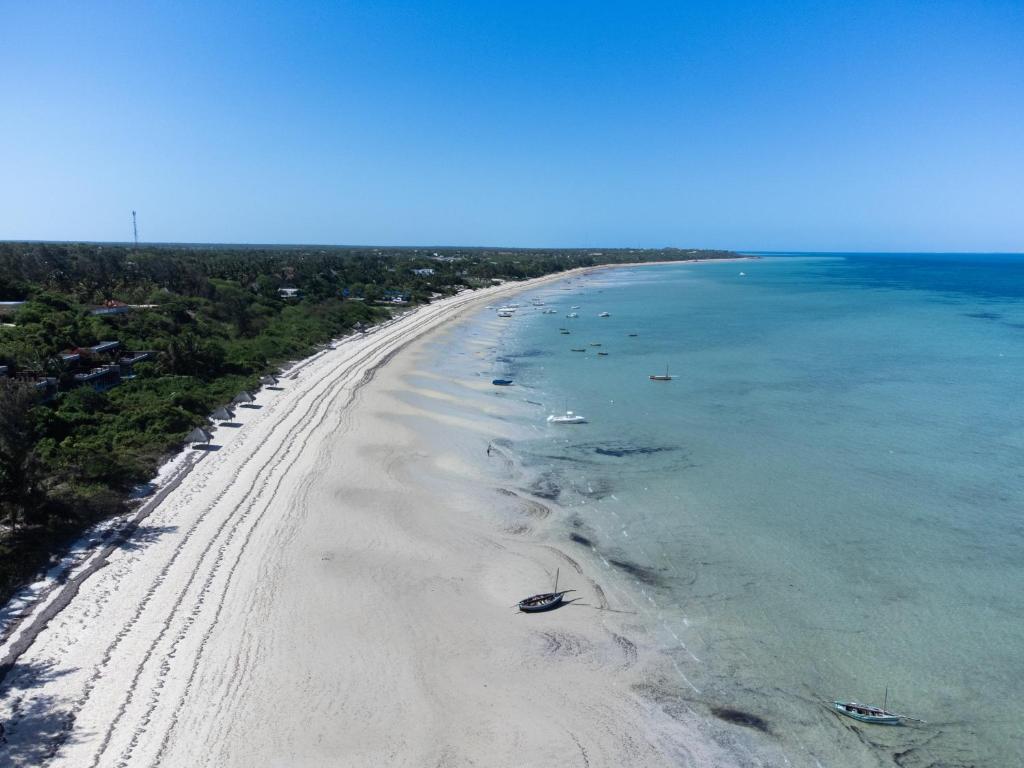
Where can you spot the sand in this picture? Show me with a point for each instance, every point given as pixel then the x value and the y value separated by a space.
pixel 333 585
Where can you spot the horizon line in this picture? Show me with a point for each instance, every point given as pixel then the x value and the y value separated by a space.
pixel 742 251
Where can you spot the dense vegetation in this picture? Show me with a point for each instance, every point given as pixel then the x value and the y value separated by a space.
pixel 215 320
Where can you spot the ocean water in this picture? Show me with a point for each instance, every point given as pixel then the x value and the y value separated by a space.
pixel 826 501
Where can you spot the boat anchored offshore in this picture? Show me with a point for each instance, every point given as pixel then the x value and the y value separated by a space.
pixel 660 377
pixel 604 314
pixel 501 382
pixel 867 713
pixel 567 418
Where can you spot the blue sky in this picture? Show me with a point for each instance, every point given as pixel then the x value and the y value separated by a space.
pixel 800 125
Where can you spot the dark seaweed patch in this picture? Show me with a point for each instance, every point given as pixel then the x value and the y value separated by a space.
pixel 546 487
pixel 598 488
pixel 620 452
pixel 639 572
pixel 740 717
pixel 581 539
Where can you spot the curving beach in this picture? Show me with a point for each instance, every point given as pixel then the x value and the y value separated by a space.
pixel 332 585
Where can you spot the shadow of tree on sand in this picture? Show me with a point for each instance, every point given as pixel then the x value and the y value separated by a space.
pixel 144 535
pixel 33 725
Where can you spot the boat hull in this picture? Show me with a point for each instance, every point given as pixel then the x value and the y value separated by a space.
pixel 865 714
pixel 542 602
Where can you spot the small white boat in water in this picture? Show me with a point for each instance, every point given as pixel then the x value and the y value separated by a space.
pixel 549 311
pixel 573 314
pixel 505 313
pixel 604 314
pixel 567 418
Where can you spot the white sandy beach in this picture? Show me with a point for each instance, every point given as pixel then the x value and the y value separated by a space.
pixel 333 586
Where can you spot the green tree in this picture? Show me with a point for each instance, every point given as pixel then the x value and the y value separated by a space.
pixel 19 486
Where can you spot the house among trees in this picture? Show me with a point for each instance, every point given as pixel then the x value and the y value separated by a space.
pixel 289 293
pixel 111 307
pixel 425 272
pixel 101 379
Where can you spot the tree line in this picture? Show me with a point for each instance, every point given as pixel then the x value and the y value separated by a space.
pixel 215 320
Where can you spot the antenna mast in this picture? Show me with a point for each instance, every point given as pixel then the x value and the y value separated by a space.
pixel 135 230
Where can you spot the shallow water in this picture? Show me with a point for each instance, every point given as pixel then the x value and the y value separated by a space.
pixel 826 500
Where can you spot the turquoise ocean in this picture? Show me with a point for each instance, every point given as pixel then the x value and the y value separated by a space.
pixel 827 499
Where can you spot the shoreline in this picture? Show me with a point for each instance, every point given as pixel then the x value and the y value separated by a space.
pixel 165 599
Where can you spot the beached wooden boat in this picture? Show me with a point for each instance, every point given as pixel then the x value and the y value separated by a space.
pixel 543 602
pixel 866 713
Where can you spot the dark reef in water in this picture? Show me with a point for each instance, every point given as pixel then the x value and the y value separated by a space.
pixel 620 451
pixel 581 540
pixel 598 488
pixel 739 717
pixel 546 487
pixel 639 572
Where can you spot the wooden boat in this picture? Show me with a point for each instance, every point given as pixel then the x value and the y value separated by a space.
pixel 595 343
pixel 543 602
pixel 501 382
pixel 564 331
pixel 602 354
pixel 866 713
pixel 634 334
pixel 579 349
pixel 659 377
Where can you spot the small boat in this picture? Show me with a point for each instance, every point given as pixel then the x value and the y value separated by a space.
pixel 634 334
pixel 573 314
pixel 659 377
pixel 575 306
pixel 505 313
pixel 545 601
pixel 564 332
pixel 603 354
pixel 550 311
pixel 595 343
pixel 604 314
pixel 866 713
pixel 568 418
pixel 501 382
pixel 579 349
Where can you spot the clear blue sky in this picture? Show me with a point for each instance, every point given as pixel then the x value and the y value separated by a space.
pixel 803 125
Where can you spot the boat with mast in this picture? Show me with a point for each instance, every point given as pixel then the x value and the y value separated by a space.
pixel 660 377
pixel 866 713
pixel 545 601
